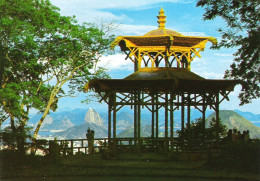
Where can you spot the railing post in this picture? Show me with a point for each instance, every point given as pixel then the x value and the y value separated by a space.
pixel 71 145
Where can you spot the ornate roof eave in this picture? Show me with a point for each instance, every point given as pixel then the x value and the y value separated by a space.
pixel 131 44
pixel 165 85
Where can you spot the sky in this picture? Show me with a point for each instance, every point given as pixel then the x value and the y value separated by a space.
pixel 137 17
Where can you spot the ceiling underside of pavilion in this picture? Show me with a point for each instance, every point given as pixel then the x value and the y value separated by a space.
pixel 166 80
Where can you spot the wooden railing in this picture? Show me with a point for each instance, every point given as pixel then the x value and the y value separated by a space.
pixel 74 146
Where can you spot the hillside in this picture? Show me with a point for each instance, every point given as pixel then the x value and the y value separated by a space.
pixel 129 132
pixel 79 132
pixel 234 120
pixel 145 132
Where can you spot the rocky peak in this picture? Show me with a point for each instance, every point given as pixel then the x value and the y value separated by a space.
pixel 92 116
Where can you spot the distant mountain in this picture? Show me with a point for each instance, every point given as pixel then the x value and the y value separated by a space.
pixel 58 124
pixel 93 116
pixel 129 132
pixel 76 116
pixel 79 131
pixel 62 120
pixel 233 120
pixel 254 118
pixel 124 120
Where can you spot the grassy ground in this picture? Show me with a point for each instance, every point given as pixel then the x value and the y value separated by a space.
pixel 128 166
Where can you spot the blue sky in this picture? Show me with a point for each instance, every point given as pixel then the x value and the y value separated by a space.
pixel 137 17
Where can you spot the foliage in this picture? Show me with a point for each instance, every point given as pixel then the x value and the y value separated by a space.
pixel 15 141
pixel 54 150
pixel 238 155
pixel 243 32
pixel 196 130
pixel 40 52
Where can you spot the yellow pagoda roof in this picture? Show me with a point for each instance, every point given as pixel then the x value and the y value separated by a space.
pixel 162 37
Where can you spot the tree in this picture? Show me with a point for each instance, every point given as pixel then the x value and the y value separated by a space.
pixel 243 31
pixel 41 51
pixel 197 130
pixel 21 35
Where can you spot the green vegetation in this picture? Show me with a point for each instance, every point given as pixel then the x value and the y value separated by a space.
pixel 125 165
pixel 40 51
pixel 196 130
pixel 242 32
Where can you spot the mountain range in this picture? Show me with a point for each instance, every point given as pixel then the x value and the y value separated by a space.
pixel 232 119
pixel 73 124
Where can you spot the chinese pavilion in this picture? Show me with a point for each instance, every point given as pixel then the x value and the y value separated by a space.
pixel 162 79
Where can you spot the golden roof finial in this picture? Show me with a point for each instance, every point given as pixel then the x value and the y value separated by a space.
pixel 161 19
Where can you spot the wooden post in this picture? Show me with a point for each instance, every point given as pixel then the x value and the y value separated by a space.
pixel 157 117
pixel 182 113
pixel 166 123
pixel 188 112
pixel 135 119
pixel 204 107
pixel 171 121
pixel 139 122
pixel 152 118
pixel 109 119
pixel 114 122
pixel 71 146
pixel 217 117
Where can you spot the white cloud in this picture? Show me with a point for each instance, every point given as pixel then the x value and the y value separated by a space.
pixel 124 29
pixel 116 62
pixel 91 11
pixel 211 75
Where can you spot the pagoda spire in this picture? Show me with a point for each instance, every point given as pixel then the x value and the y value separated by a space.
pixel 161 19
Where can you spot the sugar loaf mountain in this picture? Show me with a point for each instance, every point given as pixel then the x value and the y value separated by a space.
pixel 73 124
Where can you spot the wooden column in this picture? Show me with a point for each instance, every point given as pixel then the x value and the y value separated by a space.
pixel 217 116
pixel 182 113
pixel 135 118
pixel 166 116
pixel 114 122
pixel 109 119
pixel 188 115
pixel 157 117
pixel 139 123
pixel 188 112
pixel 152 117
pixel 204 107
pixel 171 121
pixel 166 123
